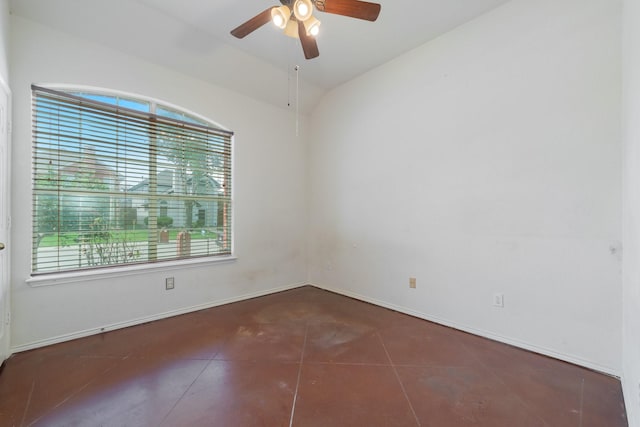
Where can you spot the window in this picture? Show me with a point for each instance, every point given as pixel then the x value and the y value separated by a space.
pixel 118 181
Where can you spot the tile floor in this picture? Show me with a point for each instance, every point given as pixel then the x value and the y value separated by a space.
pixel 304 357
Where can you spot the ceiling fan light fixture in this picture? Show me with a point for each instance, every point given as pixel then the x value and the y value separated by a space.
pixel 302 9
pixel 280 16
pixel 295 18
pixel 312 26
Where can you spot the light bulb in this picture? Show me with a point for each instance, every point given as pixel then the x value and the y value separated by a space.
pixel 303 9
pixel 314 30
pixel 278 21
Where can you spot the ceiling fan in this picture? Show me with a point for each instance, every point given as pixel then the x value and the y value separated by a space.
pixel 296 18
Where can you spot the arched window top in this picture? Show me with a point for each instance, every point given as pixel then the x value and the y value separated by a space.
pixel 136 102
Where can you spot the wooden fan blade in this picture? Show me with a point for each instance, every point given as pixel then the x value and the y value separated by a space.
pixel 353 8
pixel 309 45
pixel 252 24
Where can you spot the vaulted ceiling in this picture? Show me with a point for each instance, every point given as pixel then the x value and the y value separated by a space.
pixel 192 36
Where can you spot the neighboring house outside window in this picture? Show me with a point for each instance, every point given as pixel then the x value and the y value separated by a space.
pixel 120 180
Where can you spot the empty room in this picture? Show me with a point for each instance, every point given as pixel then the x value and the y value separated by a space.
pixel 320 213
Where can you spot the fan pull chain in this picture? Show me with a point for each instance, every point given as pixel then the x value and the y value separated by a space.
pixel 290 53
pixel 297 68
pixel 288 87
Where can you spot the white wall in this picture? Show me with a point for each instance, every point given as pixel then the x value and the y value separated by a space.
pixel 269 188
pixel 4 40
pixel 485 161
pixel 631 203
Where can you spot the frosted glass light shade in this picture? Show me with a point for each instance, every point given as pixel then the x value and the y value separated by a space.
pixel 312 26
pixel 280 16
pixel 302 9
pixel 291 29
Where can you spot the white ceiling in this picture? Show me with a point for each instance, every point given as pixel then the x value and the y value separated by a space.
pixel 192 36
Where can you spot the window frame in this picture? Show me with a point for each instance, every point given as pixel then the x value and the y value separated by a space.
pixel 125 269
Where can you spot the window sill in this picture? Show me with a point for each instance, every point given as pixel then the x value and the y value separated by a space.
pixel 100 274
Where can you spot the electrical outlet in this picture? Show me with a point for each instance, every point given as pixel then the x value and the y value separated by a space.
pixel 169 283
pixel 412 282
pixel 498 300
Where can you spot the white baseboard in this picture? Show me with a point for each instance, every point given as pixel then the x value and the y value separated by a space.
pixel 480 332
pixel 446 322
pixel 146 319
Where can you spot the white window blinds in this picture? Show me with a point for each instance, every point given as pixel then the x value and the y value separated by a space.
pixel 114 185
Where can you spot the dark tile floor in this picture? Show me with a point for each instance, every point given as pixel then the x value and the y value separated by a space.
pixel 304 357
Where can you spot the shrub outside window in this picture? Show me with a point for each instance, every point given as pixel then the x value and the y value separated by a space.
pixel 119 181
